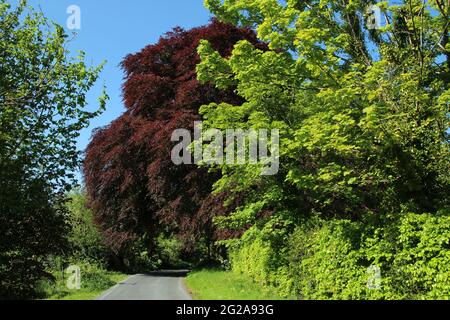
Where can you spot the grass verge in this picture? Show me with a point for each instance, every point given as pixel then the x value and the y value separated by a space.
pixel 226 285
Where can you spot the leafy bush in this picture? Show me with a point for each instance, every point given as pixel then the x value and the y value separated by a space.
pixel 252 259
pixel 94 278
pixel 414 256
pixel 169 250
pixel 262 257
pixel 137 258
pixel 85 240
pixel 144 256
pixel 330 260
pixel 325 261
pixel 32 227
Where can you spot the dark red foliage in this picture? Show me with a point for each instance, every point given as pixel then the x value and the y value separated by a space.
pixel 132 184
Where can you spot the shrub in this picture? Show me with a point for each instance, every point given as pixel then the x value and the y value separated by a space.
pixel 330 260
pixel 262 257
pixel 324 261
pixel 85 240
pixel 169 251
pixel 94 278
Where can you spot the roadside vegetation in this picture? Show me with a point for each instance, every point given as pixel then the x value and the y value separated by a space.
pixel 46 224
pixel 95 280
pixel 97 263
pixel 85 251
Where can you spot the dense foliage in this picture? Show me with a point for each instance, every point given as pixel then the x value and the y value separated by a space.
pixel 364 118
pixel 332 259
pixel 85 240
pixel 42 110
pixel 134 188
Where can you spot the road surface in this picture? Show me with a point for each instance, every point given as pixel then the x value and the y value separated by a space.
pixel 165 285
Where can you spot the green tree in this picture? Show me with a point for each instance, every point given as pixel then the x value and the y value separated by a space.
pixel 363 112
pixel 42 110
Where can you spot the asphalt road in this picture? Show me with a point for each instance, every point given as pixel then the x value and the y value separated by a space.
pixel 164 285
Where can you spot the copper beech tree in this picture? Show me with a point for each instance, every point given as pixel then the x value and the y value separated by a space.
pixel 133 187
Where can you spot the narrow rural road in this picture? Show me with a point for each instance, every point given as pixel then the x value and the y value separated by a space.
pixel 164 285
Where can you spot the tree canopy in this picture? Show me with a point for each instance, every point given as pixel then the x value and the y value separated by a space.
pixel 133 186
pixel 363 112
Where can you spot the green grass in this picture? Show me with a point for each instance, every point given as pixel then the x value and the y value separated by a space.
pixel 90 289
pixel 226 285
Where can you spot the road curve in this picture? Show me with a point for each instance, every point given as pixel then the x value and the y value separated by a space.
pixel 164 285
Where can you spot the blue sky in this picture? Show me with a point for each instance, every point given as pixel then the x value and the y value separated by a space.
pixel 111 29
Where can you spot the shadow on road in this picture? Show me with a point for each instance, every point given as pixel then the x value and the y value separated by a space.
pixel 168 273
